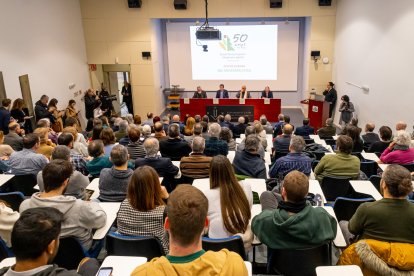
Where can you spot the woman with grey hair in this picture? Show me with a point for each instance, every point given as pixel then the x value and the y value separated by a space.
pixel 399 151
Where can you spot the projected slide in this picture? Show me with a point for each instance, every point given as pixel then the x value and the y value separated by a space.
pixel 245 52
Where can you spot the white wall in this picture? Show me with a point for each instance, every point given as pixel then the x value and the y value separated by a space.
pixel 44 39
pixel 374 46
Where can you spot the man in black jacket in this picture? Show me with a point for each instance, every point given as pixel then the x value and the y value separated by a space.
pixel 127 96
pixel 35 241
pixel 174 147
pixel 41 110
pixel 5 115
pixel 330 97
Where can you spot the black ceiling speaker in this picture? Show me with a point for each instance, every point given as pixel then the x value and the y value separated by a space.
pixel 325 2
pixel 180 4
pixel 276 3
pixel 134 4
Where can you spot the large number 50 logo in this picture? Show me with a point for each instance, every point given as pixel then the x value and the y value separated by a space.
pixel 240 38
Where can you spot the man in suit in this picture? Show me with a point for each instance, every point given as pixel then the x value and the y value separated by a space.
pixel 200 93
pixel 277 130
pixel 266 93
pixel 305 130
pixel 127 96
pixel 174 147
pixel 370 137
pixel 243 93
pixel 5 115
pixel 281 143
pixel 328 130
pixel 222 93
pixel 162 165
pixel 330 97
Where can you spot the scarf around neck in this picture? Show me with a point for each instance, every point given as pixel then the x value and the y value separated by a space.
pixel 292 207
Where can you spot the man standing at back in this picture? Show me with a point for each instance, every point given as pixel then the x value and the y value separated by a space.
pixel 186 220
pixel 5 115
pixel 291 223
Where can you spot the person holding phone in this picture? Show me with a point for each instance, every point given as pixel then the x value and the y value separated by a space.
pixel 72 112
pixel 347 110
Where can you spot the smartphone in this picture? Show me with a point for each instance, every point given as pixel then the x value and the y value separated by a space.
pixel 105 271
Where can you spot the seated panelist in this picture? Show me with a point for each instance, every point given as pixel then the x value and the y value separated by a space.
pixel 243 93
pixel 266 93
pixel 222 93
pixel 200 93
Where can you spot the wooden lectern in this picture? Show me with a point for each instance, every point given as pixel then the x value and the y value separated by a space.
pixel 318 112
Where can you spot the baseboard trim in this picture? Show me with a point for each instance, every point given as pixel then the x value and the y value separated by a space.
pixel 291 106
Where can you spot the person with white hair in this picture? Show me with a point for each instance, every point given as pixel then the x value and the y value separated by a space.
pixel 399 151
pixel 215 146
pixel 146 132
pixel 122 130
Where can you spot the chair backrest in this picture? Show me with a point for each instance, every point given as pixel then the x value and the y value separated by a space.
pixel 23 184
pixel 409 167
pixel 334 187
pixel 280 261
pixel 376 181
pixel 5 252
pixel 234 243
pixel 369 167
pixel 330 142
pixel 309 141
pixel 14 199
pixel 70 253
pixel 279 154
pixel 314 164
pixel 345 208
pixel 139 246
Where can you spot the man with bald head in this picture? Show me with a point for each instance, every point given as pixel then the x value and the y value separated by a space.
pixel 14 138
pixel 401 125
pixel 370 137
pixel 243 93
pixel 176 120
pixel 281 143
pixel 328 130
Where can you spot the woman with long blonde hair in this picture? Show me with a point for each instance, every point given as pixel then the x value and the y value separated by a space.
pixel 229 203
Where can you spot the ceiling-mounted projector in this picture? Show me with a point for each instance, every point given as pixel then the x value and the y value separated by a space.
pixel 208 33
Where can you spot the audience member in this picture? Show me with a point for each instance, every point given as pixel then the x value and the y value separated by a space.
pixel 353 132
pixel 189 126
pixel 277 130
pixel 45 122
pixel 113 182
pixel 340 164
pixel 77 147
pixel 205 133
pixel 214 146
pixel 239 128
pixel 227 136
pixel 265 124
pixel 281 143
pixel 260 133
pixel 99 159
pixel 136 120
pixel 399 151
pixel 186 220
pixel 354 122
pixel 77 181
pixel 122 130
pixel 196 165
pixel 370 137
pixel 227 122
pixel 145 133
pixel 45 147
pixel 5 150
pixel 73 122
pixel 35 240
pixel 159 131
pixel 174 147
pixel 248 162
pixel 229 203
pixel 288 221
pixel 96 132
pixel 77 160
pixel 108 138
pixel 220 120
pixel 7 219
pixel 135 146
pixel 305 130
pixel 328 130
pixel 385 133
pixel 401 125
pixel 176 120
pixel 27 161
pixel 295 160
pixel 80 217
pixel 142 212
pixel 5 115
pixel 14 137
pixel 162 165
pixel 197 132
pixel 165 123
pixel 250 130
pixel 149 120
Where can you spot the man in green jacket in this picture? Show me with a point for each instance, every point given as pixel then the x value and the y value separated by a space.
pixel 294 224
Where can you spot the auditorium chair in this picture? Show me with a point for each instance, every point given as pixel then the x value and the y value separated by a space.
pixel 22 183
pixel 70 253
pixel 13 199
pixel 330 142
pixel 309 141
pixel 233 243
pixel 5 252
pixel 369 167
pixel 335 186
pixel 376 180
pixel 293 262
pixel 345 208
pixel 139 246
